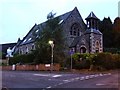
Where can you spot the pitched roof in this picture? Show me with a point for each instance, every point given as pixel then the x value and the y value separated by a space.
pixel 33 34
pixel 91 15
pixel 88 31
pixel 75 41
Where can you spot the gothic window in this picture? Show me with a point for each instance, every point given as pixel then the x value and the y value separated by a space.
pixel 75 30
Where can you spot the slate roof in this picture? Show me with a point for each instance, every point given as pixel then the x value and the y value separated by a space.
pixel 29 38
pixel 88 31
pixel 91 15
pixel 76 41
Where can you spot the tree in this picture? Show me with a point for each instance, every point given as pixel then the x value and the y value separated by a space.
pixel 51 31
pixel 116 32
pixel 106 27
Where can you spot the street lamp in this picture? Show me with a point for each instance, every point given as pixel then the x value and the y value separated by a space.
pixel 71 53
pixel 52 46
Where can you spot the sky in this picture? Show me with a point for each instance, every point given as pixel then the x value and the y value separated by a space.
pixel 17 17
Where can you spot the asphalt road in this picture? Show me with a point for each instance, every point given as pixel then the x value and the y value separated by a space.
pixel 15 80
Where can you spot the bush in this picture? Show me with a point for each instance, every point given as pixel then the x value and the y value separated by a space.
pixel 107 60
pixel 82 61
pixel 23 59
pixel 99 61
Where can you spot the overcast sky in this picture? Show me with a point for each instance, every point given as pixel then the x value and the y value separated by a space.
pixel 17 17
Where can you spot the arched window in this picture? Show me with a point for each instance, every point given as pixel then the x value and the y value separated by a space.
pixel 75 30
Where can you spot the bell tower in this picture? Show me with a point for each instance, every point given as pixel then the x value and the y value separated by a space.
pixel 93 33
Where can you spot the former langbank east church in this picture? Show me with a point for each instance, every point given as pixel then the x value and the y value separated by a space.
pixel 80 37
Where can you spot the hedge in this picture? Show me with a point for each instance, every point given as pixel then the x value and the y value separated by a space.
pixel 100 60
pixel 22 59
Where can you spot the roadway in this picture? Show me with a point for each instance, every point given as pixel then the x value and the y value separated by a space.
pixel 27 80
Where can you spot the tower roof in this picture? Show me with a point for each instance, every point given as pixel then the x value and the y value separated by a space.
pixel 91 16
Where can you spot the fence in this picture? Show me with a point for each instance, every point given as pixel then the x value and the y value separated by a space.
pixel 40 67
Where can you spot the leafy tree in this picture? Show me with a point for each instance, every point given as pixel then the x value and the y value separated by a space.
pixel 51 31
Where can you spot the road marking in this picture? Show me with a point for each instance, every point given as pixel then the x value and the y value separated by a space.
pixel 86 77
pixel 41 74
pixel 65 80
pixel 49 87
pixel 77 78
pixel 57 76
pixel 100 74
pixel 100 84
pixel 72 79
pixel 91 76
pixel 82 78
pixel 96 75
pixel 60 83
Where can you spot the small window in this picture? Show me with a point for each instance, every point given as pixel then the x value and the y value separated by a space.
pixel 29 39
pixel 37 30
pixel 25 40
pixel 74 33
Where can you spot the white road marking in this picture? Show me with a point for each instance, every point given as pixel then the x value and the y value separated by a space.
pixel 65 80
pixel 60 83
pixel 49 87
pixel 100 84
pixel 41 74
pixel 91 76
pixel 100 74
pixel 77 78
pixel 57 76
pixel 82 78
pixel 72 79
pixel 96 75
pixel 87 77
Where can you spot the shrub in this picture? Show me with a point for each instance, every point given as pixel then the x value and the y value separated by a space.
pixel 107 60
pixel 27 58
pixel 99 61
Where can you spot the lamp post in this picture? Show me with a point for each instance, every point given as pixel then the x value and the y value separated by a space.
pixel 71 53
pixel 52 46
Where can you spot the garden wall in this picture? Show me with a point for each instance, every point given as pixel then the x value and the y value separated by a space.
pixel 40 67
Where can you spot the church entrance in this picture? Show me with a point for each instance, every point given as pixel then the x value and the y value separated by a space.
pixel 82 50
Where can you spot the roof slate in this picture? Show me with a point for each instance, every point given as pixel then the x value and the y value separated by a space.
pixel 40 27
pixel 88 31
pixel 91 15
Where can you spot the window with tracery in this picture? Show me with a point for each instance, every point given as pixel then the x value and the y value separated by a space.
pixel 75 30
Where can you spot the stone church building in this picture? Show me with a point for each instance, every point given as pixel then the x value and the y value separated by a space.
pixel 80 37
